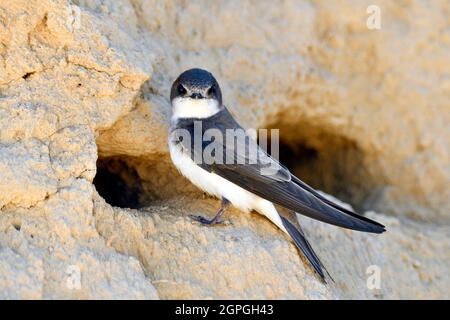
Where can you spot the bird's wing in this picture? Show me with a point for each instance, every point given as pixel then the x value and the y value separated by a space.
pixel 264 176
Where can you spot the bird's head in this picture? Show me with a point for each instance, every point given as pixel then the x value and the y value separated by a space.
pixel 195 94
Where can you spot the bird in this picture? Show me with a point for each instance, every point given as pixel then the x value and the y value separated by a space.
pixel 250 181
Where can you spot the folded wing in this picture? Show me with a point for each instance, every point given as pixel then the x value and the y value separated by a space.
pixel 262 175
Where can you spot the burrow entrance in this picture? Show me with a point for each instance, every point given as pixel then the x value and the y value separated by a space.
pixel 134 182
pixel 118 183
pixel 328 161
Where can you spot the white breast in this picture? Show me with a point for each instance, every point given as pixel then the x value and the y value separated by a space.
pixel 215 185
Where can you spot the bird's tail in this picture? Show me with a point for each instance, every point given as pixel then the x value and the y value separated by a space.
pixel 322 209
pixel 295 231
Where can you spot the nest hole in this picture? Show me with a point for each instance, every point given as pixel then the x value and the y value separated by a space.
pixel 118 183
pixel 327 161
pixel 137 182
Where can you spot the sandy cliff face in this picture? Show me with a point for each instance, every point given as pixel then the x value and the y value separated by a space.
pixel 84 89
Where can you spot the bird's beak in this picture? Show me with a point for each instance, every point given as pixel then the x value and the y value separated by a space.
pixel 197 95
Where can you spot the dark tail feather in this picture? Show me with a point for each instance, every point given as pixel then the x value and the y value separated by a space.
pixel 303 245
pixel 338 215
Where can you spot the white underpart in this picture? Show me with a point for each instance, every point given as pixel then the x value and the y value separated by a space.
pixel 194 108
pixel 215 185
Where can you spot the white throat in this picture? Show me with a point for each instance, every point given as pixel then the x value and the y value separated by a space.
pixel 194 108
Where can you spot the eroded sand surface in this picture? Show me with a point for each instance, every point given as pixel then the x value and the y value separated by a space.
pixel 84 89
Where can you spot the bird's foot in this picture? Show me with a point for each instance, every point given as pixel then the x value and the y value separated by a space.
pixel 216 219
pixel 205 221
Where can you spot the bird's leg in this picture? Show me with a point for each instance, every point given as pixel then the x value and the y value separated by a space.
pixel 214 220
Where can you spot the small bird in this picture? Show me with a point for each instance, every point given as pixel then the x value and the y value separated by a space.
pixel 247 182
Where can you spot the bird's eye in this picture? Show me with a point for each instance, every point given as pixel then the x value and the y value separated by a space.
pixel 212 91
pixel 181 89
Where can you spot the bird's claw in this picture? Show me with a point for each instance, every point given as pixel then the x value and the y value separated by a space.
pixel 204 220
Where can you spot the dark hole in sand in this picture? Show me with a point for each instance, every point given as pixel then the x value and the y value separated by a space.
pixel 327 161
pixel 118 183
